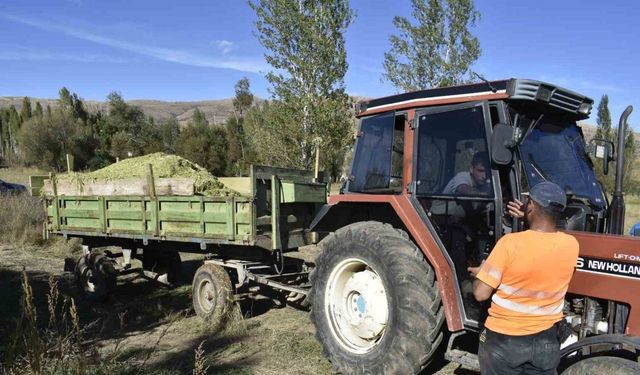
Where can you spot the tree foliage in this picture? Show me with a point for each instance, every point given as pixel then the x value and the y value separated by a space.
pixel 606 132
pixel 603 119
pixel 46 139
pixel 438 50
pixel 243 98
pixel 305 45
pixel 239 154
pixel 203 144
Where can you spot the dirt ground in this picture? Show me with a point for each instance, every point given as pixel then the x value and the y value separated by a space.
pixel 153 327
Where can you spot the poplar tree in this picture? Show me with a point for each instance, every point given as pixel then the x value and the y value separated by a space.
pixel 25 112
pixel 305 47
pixel 437 50
pixel 603 119
pixel 236 136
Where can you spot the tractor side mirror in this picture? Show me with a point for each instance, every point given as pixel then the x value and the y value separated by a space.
pixel 602 149
pixel 502 144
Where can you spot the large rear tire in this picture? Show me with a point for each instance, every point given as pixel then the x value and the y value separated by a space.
pixel 603 366
pixel 375 301
pixel 212 295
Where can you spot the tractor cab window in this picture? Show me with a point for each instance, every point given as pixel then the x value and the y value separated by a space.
pixel 554 150
pixel 378 159
pixel 454 185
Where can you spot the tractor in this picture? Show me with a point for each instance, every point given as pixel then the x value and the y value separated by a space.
pixel 390 292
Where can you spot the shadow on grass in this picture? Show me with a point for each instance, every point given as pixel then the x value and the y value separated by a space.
pixel 136 308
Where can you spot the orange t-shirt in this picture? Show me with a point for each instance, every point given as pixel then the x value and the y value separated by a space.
pixel 531 272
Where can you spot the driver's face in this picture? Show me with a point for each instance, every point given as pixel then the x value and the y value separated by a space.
pixel 479 174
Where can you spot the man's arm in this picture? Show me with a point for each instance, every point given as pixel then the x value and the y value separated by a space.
pixel 481 290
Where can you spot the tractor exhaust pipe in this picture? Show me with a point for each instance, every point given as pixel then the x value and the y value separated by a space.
pixel 617 203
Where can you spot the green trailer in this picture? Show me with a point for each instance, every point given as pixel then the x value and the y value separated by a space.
pixel 245 235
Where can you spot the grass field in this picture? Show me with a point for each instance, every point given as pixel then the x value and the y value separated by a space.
pixel 19 175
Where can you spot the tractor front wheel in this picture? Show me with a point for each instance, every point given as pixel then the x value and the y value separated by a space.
pixel 375 301
pixel 603 366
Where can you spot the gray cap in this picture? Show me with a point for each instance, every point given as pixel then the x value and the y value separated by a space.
pixel 549 195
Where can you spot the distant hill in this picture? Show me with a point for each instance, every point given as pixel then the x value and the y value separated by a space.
pixel 217 111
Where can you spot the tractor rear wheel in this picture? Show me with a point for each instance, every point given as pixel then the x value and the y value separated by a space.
pixel 212 295
pixel 603 366
pixel 375 301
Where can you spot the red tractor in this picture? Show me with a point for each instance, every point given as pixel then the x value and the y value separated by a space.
pixel 390 288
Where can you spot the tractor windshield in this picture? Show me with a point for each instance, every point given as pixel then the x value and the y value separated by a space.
pixel 554 151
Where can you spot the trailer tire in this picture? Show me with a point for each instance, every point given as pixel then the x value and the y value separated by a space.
pixel 212 295
pixel 604 365
pixel 96 276
pixel 375 301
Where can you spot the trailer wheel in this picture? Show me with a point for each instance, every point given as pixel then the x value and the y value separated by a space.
pixel 603 366
pixel 96 276
pixel 375 301
pixel 212 294
pixel 161 262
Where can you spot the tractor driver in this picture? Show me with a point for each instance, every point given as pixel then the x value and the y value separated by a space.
pixel 460 217
pixel 473 182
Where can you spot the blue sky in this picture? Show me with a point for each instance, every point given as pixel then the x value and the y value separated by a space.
pixel 197 50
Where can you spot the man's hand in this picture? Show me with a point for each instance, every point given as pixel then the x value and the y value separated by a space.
pixel 474 270
pixel 515 208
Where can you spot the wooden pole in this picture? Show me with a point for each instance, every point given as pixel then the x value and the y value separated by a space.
pixel 151 181
pixel 70 160
pixel 317 164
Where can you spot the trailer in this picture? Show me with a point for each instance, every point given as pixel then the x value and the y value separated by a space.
pixel 245 236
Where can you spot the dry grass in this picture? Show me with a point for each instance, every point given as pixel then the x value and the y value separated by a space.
pixel 21 219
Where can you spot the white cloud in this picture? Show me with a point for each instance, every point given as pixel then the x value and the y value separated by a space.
pixel 224 46
pixel 12 53
pixel 165 54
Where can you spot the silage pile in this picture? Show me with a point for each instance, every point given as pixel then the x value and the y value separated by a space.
pixel 164 166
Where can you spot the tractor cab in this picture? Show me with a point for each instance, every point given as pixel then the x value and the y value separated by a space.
pixel 462 153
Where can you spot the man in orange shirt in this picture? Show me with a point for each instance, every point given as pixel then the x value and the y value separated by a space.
pixel 530 273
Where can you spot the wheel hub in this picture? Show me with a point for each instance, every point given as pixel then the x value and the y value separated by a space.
pixel 358 307
pixel 366 304
pixel 207 294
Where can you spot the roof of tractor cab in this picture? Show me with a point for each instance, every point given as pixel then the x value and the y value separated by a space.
pixel 527 91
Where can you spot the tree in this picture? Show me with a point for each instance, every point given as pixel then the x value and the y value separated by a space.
pixel 629 156
pixel 203 144
pixel 137 134
pixel 438 50
pixel 236 139
pixel 25 112
pixel 305 45
pixel 45 140
pixel 169 133
pixel 38 111
pixel 603 119
pixel 603 131
pixel 244 98
pixel 71 102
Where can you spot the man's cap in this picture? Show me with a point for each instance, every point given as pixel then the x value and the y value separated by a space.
pixel 549 195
